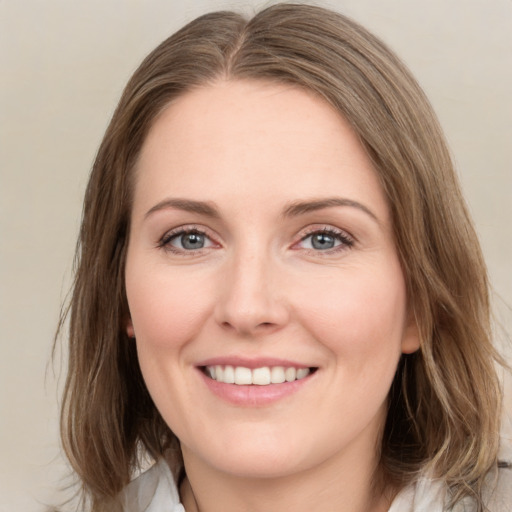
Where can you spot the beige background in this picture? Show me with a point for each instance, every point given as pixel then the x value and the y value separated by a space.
pixel 62 67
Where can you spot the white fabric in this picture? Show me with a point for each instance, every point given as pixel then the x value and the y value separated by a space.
pixel 153 491
pixel 156 491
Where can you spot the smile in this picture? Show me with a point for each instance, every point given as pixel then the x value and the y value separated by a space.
pixel 263 376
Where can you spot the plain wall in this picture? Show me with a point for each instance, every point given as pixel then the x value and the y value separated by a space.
pixel 63 65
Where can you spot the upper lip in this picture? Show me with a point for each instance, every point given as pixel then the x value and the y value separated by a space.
pixel 252 363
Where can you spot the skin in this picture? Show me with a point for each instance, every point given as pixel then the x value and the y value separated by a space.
pixel 259 288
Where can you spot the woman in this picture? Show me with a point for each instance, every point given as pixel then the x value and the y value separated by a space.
pixel 279 297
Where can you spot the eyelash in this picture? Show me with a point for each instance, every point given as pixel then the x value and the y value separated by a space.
pixel 346 241
pixel 165 241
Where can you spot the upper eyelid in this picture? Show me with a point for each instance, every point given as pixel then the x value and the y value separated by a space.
pixel 186 228
pixel 326 228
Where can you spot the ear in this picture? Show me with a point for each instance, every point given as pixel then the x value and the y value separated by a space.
pixel 130 331
pixel 411 337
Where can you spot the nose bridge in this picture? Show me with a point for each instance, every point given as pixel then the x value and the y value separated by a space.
pixel 251 299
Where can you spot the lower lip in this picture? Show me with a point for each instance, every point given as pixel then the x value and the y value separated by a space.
pixel 254 395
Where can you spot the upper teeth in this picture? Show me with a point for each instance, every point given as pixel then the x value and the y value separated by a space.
pixel 261 376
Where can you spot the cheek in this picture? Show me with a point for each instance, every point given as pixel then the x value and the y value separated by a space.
pixel 167 311
pixel 358 314
pixel 166 308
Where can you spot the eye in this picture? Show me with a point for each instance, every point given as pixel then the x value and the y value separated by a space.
pixel 185 240
pixel 325 240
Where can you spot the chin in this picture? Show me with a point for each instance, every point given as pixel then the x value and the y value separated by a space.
pixel 257 457
pixel 261 465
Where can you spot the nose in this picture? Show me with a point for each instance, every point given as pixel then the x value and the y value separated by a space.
pixel 252 299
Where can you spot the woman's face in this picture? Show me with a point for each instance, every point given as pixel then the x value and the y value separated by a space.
pixel 261 250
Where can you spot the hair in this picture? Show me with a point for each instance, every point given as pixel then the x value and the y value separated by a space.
pixel 445 401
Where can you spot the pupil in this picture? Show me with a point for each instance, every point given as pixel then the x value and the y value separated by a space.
pixel 192 241
pixel 322 241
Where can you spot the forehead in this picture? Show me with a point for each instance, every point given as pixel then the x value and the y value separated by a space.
pixel 254 139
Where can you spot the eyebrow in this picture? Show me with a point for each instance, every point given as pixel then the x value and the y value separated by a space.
pixel 294 209
pixel 188 205
pixel 301 207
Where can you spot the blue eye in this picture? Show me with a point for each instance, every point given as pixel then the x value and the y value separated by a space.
pixel 322 241
pixel 326 239
pixel 192 240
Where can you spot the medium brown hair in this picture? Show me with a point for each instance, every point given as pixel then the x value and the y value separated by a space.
pixel 445 400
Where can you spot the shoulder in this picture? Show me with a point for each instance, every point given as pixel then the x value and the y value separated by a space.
pixel 501 500
pixel 430 495
pixel 500 485
pixel 153 491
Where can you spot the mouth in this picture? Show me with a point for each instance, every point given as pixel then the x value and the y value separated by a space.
pixel 262 376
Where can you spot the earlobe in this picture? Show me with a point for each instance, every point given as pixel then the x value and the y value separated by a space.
pixel 411 338
pixel 129 329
